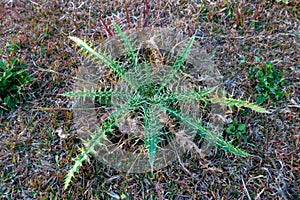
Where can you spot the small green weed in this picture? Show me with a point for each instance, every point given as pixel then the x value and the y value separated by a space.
pixel 269 83
pixel 148 98
pixel 236 131
pixel 13 75
pixel 12 46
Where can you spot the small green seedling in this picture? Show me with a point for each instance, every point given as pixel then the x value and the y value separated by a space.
pixel 236 131
pixel 269 83
pixel 13 75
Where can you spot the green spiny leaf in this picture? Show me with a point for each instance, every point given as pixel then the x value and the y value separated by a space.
pixel 126 41
pixel 83 156
pixel 207 134
pixel 188 96
pixel 230 102
pixel 178 64
pixel 180 60
pixel 206 92
pixel 152 132
pixel 119 70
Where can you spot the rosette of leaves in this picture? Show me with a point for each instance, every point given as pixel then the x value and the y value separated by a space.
pixel 143 95
pixel 236 131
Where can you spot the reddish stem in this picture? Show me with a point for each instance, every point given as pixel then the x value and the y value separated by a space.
pixel 146 12
pixel 106 27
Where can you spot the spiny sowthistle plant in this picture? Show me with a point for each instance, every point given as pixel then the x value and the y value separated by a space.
pixel 148 98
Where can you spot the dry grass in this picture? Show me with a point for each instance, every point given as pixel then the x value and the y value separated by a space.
pixel 34 156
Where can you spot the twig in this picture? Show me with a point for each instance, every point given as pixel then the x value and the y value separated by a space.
pixel 34 3
pixel 258 195
pixel 246 190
